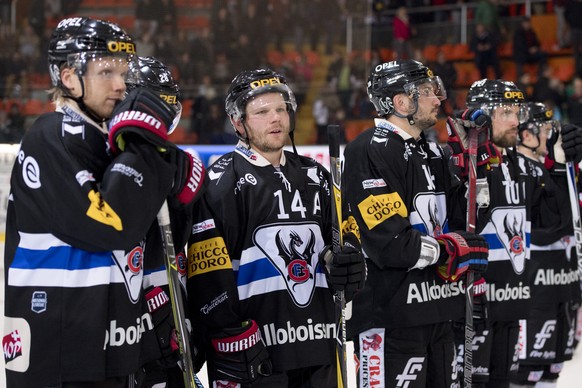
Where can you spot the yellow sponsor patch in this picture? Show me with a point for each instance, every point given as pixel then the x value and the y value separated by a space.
pixel 351 226
pixel 378 208
pixel 100 211
pixel 116 47
pixel 207 256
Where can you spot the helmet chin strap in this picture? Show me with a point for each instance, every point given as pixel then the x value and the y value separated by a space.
pixel 79 100
pixel 533 149
pixel 409 117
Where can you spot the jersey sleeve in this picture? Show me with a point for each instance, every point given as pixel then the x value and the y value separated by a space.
pixel 67 182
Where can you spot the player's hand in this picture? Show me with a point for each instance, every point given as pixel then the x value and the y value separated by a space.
pixel 161 312
pixel 347 269
pixel 189 176
pixel 480 304
pixel 465 251
pixel 572 142
pixel 240 355
pixel 142 116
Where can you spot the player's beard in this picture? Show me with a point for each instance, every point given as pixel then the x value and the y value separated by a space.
pixel 508 138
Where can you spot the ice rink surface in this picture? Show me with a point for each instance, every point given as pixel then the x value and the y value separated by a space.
pixel 571 377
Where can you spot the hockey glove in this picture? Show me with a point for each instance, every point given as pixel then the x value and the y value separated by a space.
pixel 572 142
pixel 161 311
pixel 465 251
pixel 480 304
pixel 458 129
pixel 141 116
pixel 347 269
pixel 240 355
pixel 189 177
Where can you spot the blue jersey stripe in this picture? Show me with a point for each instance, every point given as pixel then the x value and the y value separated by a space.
pixel 61 257
pixel 256 270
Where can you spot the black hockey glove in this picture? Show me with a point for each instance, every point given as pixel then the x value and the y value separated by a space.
pixel 480 304
pixel 572 142
pixel 189 177
pixel 347 269
pixel 161 311
pixel 240 355
pixel 465 251
pixel 142 116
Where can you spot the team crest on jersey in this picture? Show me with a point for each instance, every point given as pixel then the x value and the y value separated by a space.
pixel 431 209
pixel 293 250
pixel 130 264
pixel 510 227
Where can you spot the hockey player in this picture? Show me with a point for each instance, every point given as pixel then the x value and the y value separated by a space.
pixel 397 183
pixel 256 285
pixel 152 74
pixel 83 199
pixel 505 195
pixel 546 336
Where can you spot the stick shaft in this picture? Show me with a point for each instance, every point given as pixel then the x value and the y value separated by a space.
pixel 190 378
pixel 575 206
pixel 471 226
pixel 333 134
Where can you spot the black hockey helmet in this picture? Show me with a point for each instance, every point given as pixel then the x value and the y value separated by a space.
pixel 151 73
pixel 538 115
pixel 77 40
pixel 488 94
pixel 391 78
pixel 251 83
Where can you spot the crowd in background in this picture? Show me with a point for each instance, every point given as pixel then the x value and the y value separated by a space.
pixel 204 60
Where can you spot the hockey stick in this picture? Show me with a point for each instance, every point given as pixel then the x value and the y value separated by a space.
pixel 471 226
pixel 333 136
pixel 190 378
pixel 575 206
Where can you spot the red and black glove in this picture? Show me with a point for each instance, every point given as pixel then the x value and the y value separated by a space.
pixel 465 251
pixel 141 117
pixel 189 176
pixel 164 327
pixel 458 129
pixel 347 269
pixel 240 355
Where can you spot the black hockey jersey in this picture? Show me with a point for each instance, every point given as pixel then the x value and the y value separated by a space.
pixel 75 240
pixel 516 195
pixel 396 188
pixel 553 264
pixel 253 254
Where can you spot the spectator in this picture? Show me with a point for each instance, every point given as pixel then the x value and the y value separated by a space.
pixel 448 74
pixel 324 106
pixel 402 33
pixel 167 17
pixel 146 16
pixel 548 88
pixel 574 102
pixel 527 48
pixel 484 44
pixel 574 19
pixel 16 119
pixel 487 13
pixel 562 36
pixel 29 45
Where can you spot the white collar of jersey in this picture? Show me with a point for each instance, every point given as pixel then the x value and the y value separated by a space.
pixel 70 108
pixel 382 123
pixel 254 157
